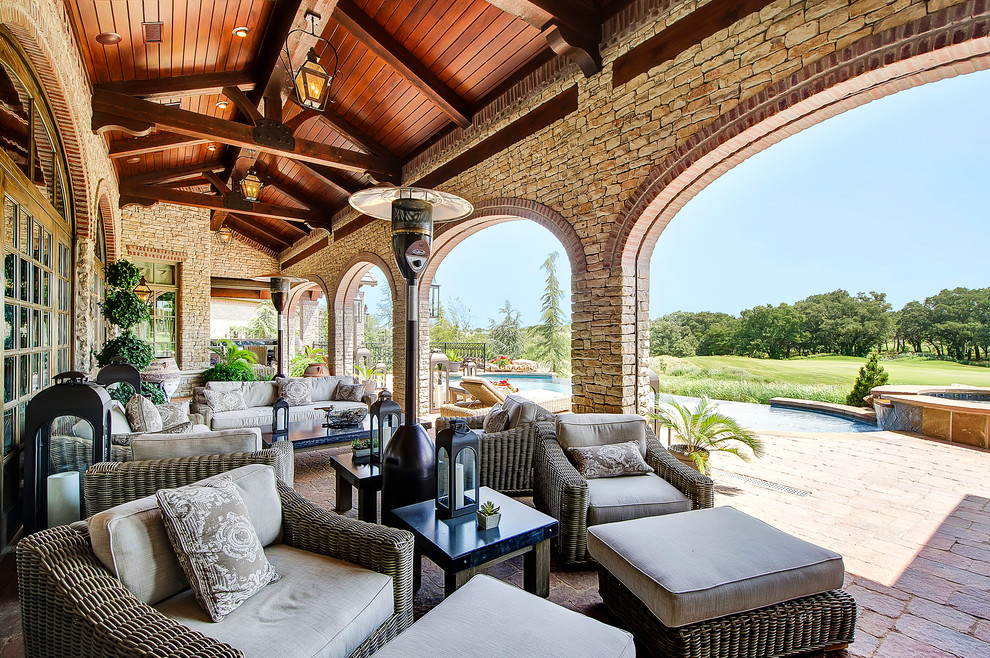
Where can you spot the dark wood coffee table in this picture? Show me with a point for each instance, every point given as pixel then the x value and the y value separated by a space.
pixel 366 478
pixel 312 435
pixel 459 548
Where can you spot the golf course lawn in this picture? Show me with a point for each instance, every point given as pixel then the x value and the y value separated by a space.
pixel 843 370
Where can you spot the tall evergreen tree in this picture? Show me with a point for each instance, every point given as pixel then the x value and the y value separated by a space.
pixel 505 338
pixel 870 376
pixel 554 342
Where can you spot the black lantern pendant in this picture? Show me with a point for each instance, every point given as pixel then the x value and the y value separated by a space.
pixel 458 470
pixel 143 291
pixel 386 416
pixel 280 420
pixel 312 82
pixel 251 185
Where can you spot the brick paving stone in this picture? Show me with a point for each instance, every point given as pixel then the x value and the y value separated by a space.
pixel 946 639
pixel 942 614
pixel 896 645
pixel 972 603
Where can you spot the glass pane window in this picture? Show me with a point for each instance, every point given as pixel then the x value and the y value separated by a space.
pixel 17 119
pixel 160 329
pixel 10 222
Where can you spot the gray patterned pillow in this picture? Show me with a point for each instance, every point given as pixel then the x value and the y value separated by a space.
pixel 497 420
pixel 348 392
pixel 295 390
pixel 610 460
pixel 225 400
pixel 181 428
pixel 173 413
pixel 142 415
pixel 216 544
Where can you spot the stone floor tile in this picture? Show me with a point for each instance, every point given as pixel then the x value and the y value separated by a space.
pixel 936 635
pixel 897 645
pixel 943 614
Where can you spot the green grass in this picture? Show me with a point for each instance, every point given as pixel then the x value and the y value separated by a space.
pixel 827 378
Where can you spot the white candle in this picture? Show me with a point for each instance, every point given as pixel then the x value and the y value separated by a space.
pixel 63 498
pixel 458 487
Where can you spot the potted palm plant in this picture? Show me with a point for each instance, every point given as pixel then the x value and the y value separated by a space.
pixel 704 430
pixel 235 366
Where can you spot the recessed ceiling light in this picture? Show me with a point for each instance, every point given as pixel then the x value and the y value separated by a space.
pixel 241 31
pixel 222 105
pixel 211 147
pixel 133 159
pixel 108 38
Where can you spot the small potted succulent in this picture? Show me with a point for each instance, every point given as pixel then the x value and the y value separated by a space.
pixel 488 516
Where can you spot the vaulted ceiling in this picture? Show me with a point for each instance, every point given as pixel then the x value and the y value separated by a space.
pixel 187 106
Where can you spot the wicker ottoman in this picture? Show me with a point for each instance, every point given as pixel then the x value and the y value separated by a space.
pixel 487 617
pixel 718 583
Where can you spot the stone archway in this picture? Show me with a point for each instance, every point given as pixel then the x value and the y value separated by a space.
pixel 342 339
pixel 920 51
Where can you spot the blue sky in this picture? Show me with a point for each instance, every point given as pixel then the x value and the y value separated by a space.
pixel 891 196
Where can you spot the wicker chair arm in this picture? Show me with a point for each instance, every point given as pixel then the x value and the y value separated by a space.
pixel 560 491
pixel 474 422
pixel 109 484
pixel 72 606
pixel 379 548
pixel 699 488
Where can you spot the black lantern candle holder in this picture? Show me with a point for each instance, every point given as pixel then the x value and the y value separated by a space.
pixel 385 417
pixel 280 420
pixel 458 470
pixel 119 371
pixel 55 411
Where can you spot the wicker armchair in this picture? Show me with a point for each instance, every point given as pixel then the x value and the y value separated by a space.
pixel 560 491
pixel 72 606
pixel 506 457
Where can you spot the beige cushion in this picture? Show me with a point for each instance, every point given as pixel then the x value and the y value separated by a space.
pixel 346 392
pixel 131 542
pixel 221 401
pixel 295 390
pixel 487 617
pixel 171 446
pixel 496 420
pixel 521 411
pixel 118 420
pixel 612 460
pixel 321 607
pixel 583 430
pixel 323 387
pixel 633 497
pixel 173 413
pixel 260 394
pixel 142 415
pixel 710 563
pixel 216 543
pixel 224 386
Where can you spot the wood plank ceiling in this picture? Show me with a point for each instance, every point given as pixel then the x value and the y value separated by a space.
pixel 177 98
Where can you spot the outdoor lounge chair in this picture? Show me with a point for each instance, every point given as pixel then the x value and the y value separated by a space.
pixel 486 395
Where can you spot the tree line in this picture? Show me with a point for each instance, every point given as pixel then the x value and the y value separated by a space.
pixel 952 324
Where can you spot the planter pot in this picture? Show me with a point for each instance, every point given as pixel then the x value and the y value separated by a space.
pixel 488 521
pixel 454 367
pixel 316 370
pixel 679 450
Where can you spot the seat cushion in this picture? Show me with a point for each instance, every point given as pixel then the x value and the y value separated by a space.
pixel 710 563
pixel 321 607
pixel 253 417
pixel 166 445
pixel 632 497
pixel 583 430
pixel 487 617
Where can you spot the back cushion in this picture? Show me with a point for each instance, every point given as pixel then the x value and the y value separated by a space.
pixel 583 430
pixel 130 539
pixel 323 387
pixel 224 386
pixel 118 420
pixel 521 411
pixel 260 394
pixel 171 446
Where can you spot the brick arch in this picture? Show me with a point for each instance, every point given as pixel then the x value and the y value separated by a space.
pixel 942 45
pixel 340 304
pixel 109 222
pixel 21 22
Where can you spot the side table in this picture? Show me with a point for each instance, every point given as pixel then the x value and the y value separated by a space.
pixel 366 478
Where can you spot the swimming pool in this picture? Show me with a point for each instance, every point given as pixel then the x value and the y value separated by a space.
pixel 765 417
pixel 525 381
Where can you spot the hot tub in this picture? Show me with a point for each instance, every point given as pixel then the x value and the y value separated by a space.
pixel 956 413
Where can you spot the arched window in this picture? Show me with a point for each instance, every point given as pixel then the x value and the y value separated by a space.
pixel 99 281
pixel 37 262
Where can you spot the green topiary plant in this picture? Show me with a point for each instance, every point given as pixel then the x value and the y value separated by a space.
pixel 124 309
pixel 871 375
pixel 137 352
pixel 122 274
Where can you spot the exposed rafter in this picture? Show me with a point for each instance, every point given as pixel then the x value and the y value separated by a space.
pixel 379 41
pixel 573 28
pixel 255 232
pixel 199 84
pixel 243 104
pixel 341 125
pixel 342 183
pixel 175 173
pixel 129 110
pixel 124 148
pixel 130 193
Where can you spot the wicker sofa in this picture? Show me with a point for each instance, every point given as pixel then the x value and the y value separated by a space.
pixel 73 605
pixel 260 396
pixel 562 492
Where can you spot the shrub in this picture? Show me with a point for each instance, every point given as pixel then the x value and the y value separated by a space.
pixel 134 350
pixel 122 274
pixel 239 371
pixel 870 375
pixel 124 309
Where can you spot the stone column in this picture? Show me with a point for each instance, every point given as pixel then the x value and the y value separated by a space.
pixel 309 321
pixel 83 321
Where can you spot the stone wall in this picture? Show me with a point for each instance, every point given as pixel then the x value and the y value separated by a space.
pixel 242 259
pixel 596 166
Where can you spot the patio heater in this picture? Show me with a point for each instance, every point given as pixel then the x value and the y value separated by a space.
pixel 278 285
pixel 409 468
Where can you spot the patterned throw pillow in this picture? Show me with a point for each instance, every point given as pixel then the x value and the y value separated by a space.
pixel 142 415
pixel 173 413
pixel 180 428
pixel 225 400
pixel 348 392
pixel 497 420
pixel 216 544
pixel 295 390
pixel 609 460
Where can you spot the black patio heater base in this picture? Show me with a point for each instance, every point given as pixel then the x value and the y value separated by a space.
pixel 408 462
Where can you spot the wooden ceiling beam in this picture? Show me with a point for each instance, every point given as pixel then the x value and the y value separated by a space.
pixel 573 28
pixel 163 141
pixel 351 133
pixel 384 45
pixel 175 173
pixel 257 233
pixel 216 182
pixel 244 104
pixel 130 191
pixel 199 84
pixel 202 126
pixel 282 224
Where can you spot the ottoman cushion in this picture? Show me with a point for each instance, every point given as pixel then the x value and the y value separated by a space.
pixel 632 497
pixel 487 617
pixel 710 563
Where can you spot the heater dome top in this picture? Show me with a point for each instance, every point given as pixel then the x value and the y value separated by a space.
pixel 377 202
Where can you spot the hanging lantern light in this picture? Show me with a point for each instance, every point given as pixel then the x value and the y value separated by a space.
pixel 143 291
pixel 312 80
pixel 223 236
pixel 251 185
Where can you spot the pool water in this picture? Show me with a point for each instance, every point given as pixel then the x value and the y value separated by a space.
pixel 765 417
pixel 523 382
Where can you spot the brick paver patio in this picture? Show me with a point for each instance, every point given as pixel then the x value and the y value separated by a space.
pixel 910 515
